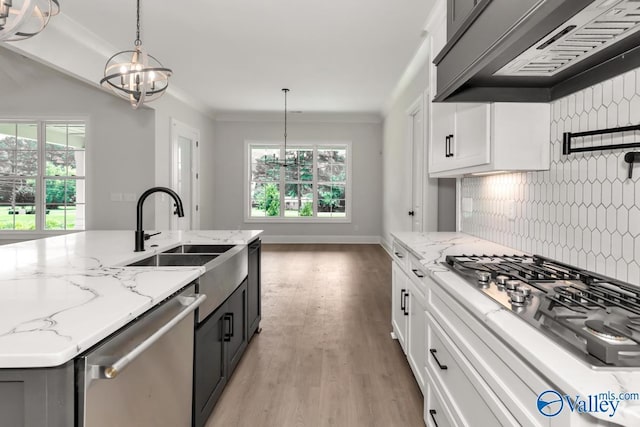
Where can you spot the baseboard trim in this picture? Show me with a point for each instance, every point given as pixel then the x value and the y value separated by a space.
pixel 367 240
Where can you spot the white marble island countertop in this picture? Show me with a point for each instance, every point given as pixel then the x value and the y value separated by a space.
pixel 61 295
pixel 563 369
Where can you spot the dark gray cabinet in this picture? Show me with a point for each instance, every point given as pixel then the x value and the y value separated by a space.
pixel 41 397
pixel 254 298
pixel 219 344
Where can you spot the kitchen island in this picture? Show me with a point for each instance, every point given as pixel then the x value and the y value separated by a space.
pixel 506 364
pixel 61 296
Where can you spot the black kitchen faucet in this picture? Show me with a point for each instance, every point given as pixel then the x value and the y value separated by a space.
pixel 140 236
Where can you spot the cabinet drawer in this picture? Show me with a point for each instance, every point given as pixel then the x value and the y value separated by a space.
pixel 510 378
pixel 436 413
pixel 419 279
pixel 469 398
pixel 400 254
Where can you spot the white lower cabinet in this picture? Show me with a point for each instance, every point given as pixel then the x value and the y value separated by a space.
pixel 399 297
pixel 468 376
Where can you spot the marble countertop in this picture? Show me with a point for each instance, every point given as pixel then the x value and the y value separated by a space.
pixel 564 370
pixel 61 295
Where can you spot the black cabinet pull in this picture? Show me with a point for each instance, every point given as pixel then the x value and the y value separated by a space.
pixel 411 213
pixel 406 309
pixel 446 146
pixel 449 153
pixel 432 413
pixel 433 352
pixel 417 273
pixel 231 327
pixel 226 320
pixel 399 255
pixel 402 299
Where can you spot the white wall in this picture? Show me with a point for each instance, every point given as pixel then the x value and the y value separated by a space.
pixel 397 161
pixel 229 180
pixel 120 141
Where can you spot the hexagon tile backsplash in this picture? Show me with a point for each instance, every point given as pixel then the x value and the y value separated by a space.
pixel 583 210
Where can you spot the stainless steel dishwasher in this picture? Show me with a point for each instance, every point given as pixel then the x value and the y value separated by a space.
pixel 155 388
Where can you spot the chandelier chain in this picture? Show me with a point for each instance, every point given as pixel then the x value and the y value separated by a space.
pixel 138 42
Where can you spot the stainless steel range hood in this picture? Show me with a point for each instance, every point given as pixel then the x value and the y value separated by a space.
pixel 538 50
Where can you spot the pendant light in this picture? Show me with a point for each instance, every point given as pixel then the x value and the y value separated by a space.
pixel 274 160
pixel 21 19
pixel 135 75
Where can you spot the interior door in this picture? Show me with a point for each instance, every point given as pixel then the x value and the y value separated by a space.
pixel 185 175
pixel 416 130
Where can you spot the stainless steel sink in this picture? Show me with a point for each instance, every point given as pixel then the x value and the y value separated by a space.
pixel 199 249
pixel 174 259
pixel 226 266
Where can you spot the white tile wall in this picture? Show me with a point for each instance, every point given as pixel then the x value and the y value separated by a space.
pixel 583 210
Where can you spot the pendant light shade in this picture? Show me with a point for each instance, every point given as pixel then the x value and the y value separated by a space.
pixel 134 74
pixel 21 19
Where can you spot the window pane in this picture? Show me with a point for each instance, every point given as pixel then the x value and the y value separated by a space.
pixel 324 173
pixel 265 199
pixel 292 173
pixel 27 164
pixel 65 163
pixel 331 200
pixel 8 132
pixel 27 136
pixel 61 197
pixel 332 155
pixel 76 138
pixel 7 162
pixel 56 137
pixel 17 204
pixel 291 200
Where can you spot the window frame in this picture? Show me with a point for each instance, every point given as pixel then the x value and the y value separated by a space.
pixel 41 123
pixel 315 146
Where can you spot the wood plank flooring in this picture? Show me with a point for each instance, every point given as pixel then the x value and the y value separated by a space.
pixel 325 356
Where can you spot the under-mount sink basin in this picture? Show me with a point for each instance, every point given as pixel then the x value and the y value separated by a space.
pixel 199 249
pixel 174 260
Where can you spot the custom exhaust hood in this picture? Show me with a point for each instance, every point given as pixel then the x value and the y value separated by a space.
pixel 537 50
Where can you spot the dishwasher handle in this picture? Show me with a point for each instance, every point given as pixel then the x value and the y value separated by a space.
pixel 112 371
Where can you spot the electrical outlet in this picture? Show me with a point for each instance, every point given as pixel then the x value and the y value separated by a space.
pixel 116 197
pixel 129 197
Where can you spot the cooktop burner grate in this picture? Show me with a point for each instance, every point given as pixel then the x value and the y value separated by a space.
pixel 594 315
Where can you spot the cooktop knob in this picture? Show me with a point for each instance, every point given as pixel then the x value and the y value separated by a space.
pixel 517 298
pixel 502 279
pixel 524 290
pixel 483 276
pixel 511 285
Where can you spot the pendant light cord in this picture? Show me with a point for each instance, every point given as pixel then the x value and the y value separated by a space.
pixel 138 42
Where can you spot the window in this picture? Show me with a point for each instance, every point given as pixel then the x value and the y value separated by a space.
pixel 317 188
pixel 42 175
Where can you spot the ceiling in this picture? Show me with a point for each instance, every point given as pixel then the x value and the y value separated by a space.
pixel 236 55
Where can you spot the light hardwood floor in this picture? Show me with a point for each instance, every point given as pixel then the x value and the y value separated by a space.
pixel 325 356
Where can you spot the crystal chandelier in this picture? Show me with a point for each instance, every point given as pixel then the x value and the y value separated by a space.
pixel 135 75
pixel 274 160
pixel 21 19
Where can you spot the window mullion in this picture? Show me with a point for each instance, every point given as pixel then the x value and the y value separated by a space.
pixel 282 171
pixel 315 181
pixel 40 180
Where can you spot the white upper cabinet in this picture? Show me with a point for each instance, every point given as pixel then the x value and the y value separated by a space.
pixel 467 138
pixel 470 138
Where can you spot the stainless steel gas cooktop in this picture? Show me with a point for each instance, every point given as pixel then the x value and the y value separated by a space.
pixel 595 317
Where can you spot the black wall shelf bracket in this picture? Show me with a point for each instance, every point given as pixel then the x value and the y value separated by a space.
pixel 568 136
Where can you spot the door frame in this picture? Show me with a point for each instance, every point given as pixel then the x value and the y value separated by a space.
pixel 179 129
pixel 419 104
